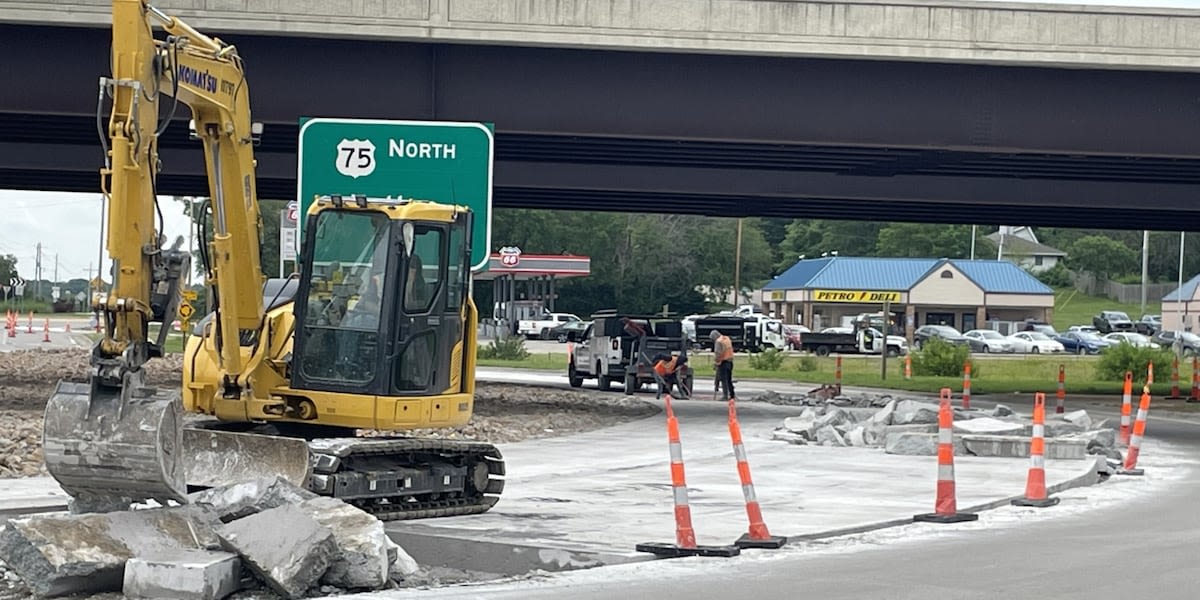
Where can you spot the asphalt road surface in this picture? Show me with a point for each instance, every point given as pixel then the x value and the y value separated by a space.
pixel 1145 549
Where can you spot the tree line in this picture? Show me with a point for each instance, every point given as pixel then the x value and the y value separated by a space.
pixel 642 261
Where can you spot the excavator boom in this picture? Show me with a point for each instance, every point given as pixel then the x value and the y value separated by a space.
pixel 115 440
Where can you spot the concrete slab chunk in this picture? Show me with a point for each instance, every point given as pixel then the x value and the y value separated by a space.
pixel 283 546
pixel 1018 447
pixel 988 425
pixel 58 555
pixel 242 499
pixel 183 575
pixel 362 544
pixel 1078 417
pixel 909 412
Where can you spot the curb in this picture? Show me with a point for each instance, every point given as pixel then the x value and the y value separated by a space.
pixel 1091 477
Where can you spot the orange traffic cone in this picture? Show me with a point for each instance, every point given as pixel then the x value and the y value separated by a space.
pixel 1126 407
pixel 46 331
pixel 945 507
pixel 1035 485
pixel 1062 390
pixel 758 536
pixel 29 324
pixel 1195 397
pixel 685 536
pixel 907 366
pixel 1175 380
pixel 68 329
pixel 966 403
pixel 1139 432
pixel 837 375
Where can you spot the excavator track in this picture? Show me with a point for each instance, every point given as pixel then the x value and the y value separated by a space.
pixel 408 478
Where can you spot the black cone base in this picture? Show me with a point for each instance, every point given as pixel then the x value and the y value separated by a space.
pixel 954 518
pixel 771 542
pixel 1037 503
pixel 673 551
pixel 1131 472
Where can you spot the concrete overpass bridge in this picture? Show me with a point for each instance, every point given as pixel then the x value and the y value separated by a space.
pixel 927 111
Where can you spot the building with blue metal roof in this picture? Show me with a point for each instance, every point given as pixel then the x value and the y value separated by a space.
pixel 1179 307
pixel 966 294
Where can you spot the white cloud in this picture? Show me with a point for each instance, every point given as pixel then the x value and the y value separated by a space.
pixel 67 225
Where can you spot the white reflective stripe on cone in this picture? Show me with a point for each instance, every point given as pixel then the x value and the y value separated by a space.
pixel 739 452
pixel 681 498
pixel 1037 461
pixel 748 492
pixel 676 452
pixel 945 472
pixel 1039 430
pixel 945 436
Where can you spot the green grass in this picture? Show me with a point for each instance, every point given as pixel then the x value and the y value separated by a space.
pixel 173 344
pixel 1072 307
pixel 993 376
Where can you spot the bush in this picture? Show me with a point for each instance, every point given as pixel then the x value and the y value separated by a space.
pixel 1118 358
pixel 941 359
pixel 1056 277
pixel 807 364
pixel 512 348
pixel 767 360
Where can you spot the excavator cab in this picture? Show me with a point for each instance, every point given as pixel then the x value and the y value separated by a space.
pixel 379 311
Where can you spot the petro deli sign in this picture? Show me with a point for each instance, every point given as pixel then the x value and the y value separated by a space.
pixel 854 296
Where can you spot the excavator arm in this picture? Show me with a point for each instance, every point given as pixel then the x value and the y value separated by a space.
pixel 115 440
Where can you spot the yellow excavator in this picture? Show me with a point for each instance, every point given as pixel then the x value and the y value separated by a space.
pixel 376 332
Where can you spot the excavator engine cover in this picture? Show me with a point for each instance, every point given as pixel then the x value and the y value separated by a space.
pixel 110 447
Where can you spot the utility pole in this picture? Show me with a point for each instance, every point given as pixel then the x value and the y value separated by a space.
pixel 56 268
pixel 1145 265
pixel 737 267
pixel 37 269
pixel 974 229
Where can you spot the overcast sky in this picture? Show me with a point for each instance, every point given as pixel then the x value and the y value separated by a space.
pixel 67 225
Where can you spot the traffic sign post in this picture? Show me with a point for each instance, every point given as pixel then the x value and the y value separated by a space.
pixel 439 161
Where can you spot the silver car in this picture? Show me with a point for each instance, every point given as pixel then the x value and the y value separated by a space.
pixel 987 340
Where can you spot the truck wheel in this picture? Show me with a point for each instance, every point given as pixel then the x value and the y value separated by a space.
pixel 602 380
pixel 631 384
pixel 562 338
pixel 573 378
pixel 822 350
pixel 545 335
pixel 893 351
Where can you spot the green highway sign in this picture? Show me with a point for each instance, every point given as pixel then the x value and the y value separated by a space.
pixel 440 161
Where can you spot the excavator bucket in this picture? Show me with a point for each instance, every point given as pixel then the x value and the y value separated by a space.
pixel 217 458
pixel 110 447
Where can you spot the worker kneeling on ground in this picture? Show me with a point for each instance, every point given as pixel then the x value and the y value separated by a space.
pixel 668 369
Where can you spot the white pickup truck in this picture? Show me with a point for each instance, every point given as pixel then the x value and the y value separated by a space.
pixel 541 328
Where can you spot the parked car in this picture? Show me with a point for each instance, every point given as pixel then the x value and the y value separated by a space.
pixel 987 340
pixel 838 330
pixel 1082 342
pixel 1109 321
pixel 1039 326
pixel 1035 342
pixel 1148 325
pixel 792 334
pixel 541 326
pixel 571 331
pixel 1190 341
pixel 943 332
pixel 1130 337
pixel 1087 328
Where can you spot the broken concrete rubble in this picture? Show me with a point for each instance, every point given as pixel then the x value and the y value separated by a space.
pixel 183 575
pixel 283 546
pixel 234 501
pixel 362 545
pixel 913 431
pixel 910 411
pixel 59 555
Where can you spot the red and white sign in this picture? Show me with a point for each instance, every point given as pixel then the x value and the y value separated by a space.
pixel 510 256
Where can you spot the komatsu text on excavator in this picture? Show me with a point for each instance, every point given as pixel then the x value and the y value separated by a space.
pixel 376 332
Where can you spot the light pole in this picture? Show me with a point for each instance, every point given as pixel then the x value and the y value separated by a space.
pixel 974 229
pixel 737 267
pixel 1145 265
pixel 1179 290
